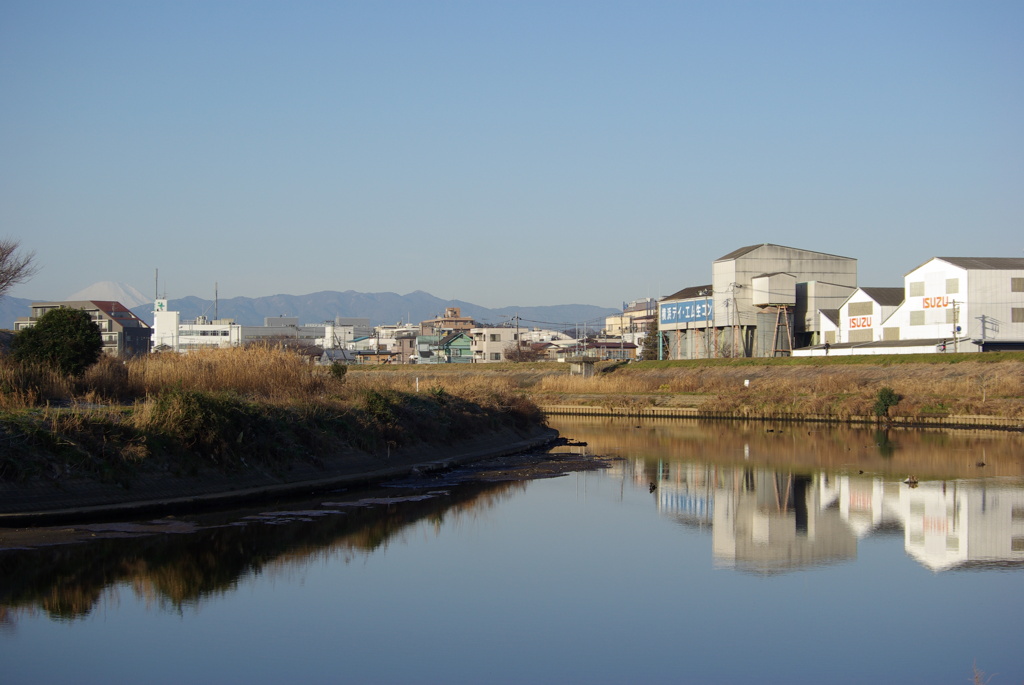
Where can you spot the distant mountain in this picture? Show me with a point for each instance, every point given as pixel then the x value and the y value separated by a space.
pixel 314 308
pixel 105 291
pixel 12 308
pixel 379 308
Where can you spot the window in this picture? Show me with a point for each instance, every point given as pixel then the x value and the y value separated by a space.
pixel 1017 285
pixel 917 289
pixel 495 337
pixel 952 285
pixel 860 308
pixel 1017 315
pixel 495 356
pixel 916 318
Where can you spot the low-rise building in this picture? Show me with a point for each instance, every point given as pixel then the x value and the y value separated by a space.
pixel 635 317
pixel 489 343
pixel 451 322
pixel 124 334
pixel 170 333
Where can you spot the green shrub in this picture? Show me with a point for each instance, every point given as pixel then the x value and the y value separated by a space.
pixel 66 339
pixel 886 398
pixel 338 370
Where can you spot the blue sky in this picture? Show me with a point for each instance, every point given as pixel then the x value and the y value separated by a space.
pixel 503 153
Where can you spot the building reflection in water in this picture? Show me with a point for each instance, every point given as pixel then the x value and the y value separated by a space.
pixel 768 521
pixel 786 498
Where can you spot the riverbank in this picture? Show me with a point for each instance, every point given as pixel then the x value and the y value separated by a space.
pixel 170 432
pixel 941 391
pixel 237 425
pixel 158 492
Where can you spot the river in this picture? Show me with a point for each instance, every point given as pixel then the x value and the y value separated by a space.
pixel 706 552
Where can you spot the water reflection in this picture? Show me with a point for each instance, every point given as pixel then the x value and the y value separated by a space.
pixel 768 519
pixel 773 499
pixel 173 564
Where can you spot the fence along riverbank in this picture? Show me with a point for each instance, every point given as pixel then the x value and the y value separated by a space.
pixel 966 421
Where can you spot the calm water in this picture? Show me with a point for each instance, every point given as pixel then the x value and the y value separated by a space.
pixel 705 552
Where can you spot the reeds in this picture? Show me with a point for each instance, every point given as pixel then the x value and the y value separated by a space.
pixel 230 408
pixel 28 385
pixel 257 372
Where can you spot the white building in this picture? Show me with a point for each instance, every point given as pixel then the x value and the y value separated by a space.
pixel 863 315
pixel 170 333
pixel 489 344
pixel 954 304
pixel 969 302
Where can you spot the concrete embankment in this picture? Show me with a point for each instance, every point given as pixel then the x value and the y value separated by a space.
pixel 641 412
pixel 157 493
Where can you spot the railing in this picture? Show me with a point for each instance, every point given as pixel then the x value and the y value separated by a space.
pixel 958 421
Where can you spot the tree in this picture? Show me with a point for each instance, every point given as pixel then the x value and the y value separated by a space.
pixel 521 353
pixel 14 267
pixel 67 339
pixel 651 337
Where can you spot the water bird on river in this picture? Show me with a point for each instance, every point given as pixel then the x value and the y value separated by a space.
pixel 911 481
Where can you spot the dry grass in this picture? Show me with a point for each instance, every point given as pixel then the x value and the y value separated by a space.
pixel 28 385
pixel 268 373
pixel 961 384
pixel 229 408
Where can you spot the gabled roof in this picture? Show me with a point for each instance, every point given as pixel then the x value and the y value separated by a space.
pixel 735 254
pixel 452 337
pixel 740 252
pixel 609 345
pixel 990 263
pixel 830 314
pixel 114 310
pixel 336 355
pixel 887 297
pixel 690 293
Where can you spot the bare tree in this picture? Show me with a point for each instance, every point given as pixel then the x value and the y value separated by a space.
pixel 14 267
pixel 521 353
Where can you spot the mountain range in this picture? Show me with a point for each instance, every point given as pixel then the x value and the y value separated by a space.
pixel 379 308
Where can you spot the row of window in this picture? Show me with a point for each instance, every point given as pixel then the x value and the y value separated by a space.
pixel 917 318
pixel 916 288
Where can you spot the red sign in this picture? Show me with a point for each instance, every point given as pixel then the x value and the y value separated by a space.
pixel 860 322
pixel 935 302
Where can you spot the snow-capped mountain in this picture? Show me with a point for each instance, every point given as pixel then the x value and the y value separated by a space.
pixel 109 290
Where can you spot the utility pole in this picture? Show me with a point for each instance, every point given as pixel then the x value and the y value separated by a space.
pixel 519 343
pixel 984 325
pixel 956 326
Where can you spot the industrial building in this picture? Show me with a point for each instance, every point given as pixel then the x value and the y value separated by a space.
pixel 763 300
pixel 947 304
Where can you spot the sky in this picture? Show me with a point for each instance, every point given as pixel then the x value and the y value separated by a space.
pixel 502 153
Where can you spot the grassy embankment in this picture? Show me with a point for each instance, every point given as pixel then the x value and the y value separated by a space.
pixel 229 410
pixel 930 386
